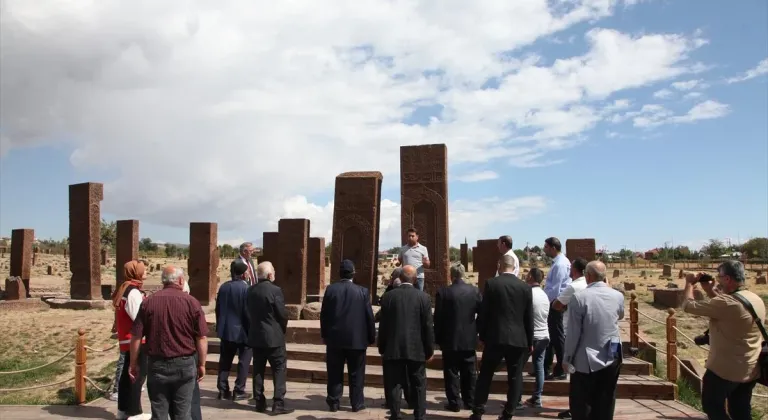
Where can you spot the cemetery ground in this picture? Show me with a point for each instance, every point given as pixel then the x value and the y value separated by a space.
pixel 40 335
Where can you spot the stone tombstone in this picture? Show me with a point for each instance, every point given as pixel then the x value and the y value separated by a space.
pixel 34 258
pixel 327 261
pixel 316 266
pixel 85 240
pixel 127 247
pixel 203 261
pixel 424 206
pixel 104 256
pixel 21 256
pixel 486 259
pixel 464 256
pixel 270 249
pixel 474 262
pixel 629 286
pixel 580 248
pixel 356 214
pixel 293 244
pixel 50 270
pixel 668 298
pixel 14 289
pixel 616 273
pixel 761 280
pixel 667 270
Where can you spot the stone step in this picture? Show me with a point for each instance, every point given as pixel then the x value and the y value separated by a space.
pixel 316 353
pixel 629 386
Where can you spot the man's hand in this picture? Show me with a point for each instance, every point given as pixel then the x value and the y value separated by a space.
pixel 708 286
pixel 692 278
pixel 200 373
pixel 133 372
pixel 247 276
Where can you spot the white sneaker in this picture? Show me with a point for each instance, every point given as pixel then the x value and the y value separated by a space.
pixel 145 416
pixel 113 396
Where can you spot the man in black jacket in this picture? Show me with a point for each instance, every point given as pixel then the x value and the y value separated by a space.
pixel 406 343
pixel 505 325
pixel 347 329
pixel 232 330
pixel 268 320
pixel 456 309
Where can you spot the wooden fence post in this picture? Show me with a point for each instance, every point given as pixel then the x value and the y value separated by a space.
pixel 671 347
pixel 80 357
pixel 634 342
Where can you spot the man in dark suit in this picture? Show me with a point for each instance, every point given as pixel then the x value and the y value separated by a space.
pixel 505 325
pixel 246 250
pixel 268 320
pixel 456 309
pixel 406 343
pixel 347 329
pixel 232 330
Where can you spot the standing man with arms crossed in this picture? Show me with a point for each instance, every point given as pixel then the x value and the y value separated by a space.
pixel 505 325
pixel 593 346
pixel 347 329
pixel 406 343
pixel 232 329
pixel 456 309
pixel 416 255
pixel 558 278
pixel 174 325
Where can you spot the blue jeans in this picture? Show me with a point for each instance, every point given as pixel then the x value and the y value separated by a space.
pixel 119 371
pixel 420 283
pixel 539 351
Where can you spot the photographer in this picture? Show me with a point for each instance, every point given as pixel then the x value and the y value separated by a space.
pixel 735 341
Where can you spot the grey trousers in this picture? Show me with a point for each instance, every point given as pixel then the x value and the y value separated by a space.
pixel 171 383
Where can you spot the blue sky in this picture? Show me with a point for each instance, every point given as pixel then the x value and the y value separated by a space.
pixel 647 171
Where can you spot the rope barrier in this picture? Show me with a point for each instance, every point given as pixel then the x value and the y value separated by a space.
pixel 101 350
pixel 39 367
pixel 36 386
pixel 90 381
pixel 652 319
pixel 686 367
pixel 650 345
pixel 690 339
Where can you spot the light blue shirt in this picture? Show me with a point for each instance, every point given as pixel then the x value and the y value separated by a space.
pixel 593 341
pixel 558 278
pixel 412 255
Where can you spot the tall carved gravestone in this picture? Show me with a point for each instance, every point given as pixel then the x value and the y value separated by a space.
pixel 127 246
pixel 203 261
pixel 580 248
pixel 293 241
pixel 356 214
pixel 316 266
pixel 270 250
pixel 486 259
pixel 464 256
pixel 424 206
pixel 21 257
pixel 474 261
pixel 85 240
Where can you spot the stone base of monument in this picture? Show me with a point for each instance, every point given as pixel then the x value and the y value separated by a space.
pixel 314 298
pixel 294 311
pixel 311 311
pixel 31 304
pixel 673 298
pixel 78 304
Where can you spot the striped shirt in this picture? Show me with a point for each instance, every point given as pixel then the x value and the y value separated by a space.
pixel 171 321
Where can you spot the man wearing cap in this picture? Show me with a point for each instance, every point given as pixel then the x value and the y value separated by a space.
pixel 347 328
pixel 232 329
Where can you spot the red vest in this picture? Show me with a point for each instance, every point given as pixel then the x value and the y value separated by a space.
pixel 124 322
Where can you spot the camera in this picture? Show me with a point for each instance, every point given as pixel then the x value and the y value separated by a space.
pixel 705 278
pixel 702 340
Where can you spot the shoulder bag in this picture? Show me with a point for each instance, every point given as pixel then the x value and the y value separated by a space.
pixel 762 362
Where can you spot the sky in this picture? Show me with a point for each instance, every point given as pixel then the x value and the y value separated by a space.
pixel 634 122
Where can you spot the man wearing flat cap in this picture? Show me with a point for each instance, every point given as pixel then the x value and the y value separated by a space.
pixel 232 329
pixel 347 328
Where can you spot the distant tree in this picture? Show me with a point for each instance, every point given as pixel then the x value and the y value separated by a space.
pixel 108 234
pixel 756 248
pixel 536 249
pixel 625 254
pixel 171 250
pixel 521 255
pixel 394 250
pixel 228 251
pixel 454 254
pixel 146 245
pixel 714 249
pixel 328 249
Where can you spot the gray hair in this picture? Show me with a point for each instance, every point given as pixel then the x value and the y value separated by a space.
pixel 597 269
pixel 170 276
pixel 263 270
pixel 457 271
pixel 733 269
pixel 245 245
pixel 506 262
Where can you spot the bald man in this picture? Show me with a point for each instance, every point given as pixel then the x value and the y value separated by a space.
pixel 593 351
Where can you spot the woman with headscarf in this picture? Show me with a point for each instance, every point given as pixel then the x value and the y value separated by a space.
pixel 127 301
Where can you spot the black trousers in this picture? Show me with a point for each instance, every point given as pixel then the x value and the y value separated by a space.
pixel 556 342
pixel 129 393
pixel 335 359
pixel 593 395
pixel 716 393
pixel 276 356
pixel 412 375
pixel 492 356
pixel 244 356
pixel 171 383
pixel 460 375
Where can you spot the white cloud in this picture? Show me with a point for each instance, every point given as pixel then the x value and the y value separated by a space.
pixel 689 85
pixel 759 70
pixel 478 176
pixel 656 115
pixel 663 94
pixel 236 111
pixel 693 95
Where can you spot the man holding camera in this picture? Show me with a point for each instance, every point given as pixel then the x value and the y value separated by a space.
pixel 734 338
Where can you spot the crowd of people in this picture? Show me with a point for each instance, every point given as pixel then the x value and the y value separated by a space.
pixel 568 327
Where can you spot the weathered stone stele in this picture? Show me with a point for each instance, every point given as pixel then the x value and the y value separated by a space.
pixel 293 244
pixel 474 262
pixel 486 259
pixel 270 249
pixel 127 247
pixel 424 206
pixel 580 248
pixel 316 266
pixel 21 257
pixel 356 213
pixel 203 261
pixel 464 256
pixel 85 240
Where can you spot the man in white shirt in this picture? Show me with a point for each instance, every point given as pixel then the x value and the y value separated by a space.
pixel 558 278
pixel 540 333
pixel 578 283
pixel 505 248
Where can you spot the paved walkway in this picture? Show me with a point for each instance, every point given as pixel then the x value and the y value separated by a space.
pixel 309 402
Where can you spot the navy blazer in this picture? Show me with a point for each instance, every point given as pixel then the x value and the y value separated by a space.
pixel 346 317
pixel 231 312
